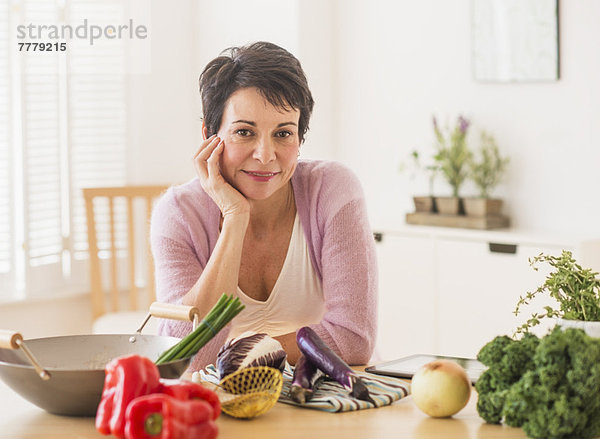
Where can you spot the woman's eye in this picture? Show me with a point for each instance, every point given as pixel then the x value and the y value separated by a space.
pixel 243 132
pixel 284 134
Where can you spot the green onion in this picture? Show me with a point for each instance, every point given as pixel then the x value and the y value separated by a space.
pixel 222 313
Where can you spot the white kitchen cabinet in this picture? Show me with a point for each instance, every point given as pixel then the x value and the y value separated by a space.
pixel 478 290
pixel 406 318
pixel 449 291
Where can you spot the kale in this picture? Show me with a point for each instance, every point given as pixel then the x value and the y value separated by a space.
pixel 550 387
pixel 507 361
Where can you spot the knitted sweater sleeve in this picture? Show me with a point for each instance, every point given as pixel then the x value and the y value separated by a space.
pixel 180 248
pixel 349 275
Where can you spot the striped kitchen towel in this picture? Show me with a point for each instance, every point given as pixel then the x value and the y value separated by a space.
pixel 330 396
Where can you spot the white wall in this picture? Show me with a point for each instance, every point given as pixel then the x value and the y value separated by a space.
pixel 163 119
pixel 303 27
pixel 400 62
pixel 165 113
pixel 379 70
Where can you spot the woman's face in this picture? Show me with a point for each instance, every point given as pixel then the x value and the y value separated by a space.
pixel 261 144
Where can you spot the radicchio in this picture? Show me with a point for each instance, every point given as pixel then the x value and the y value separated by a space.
pixel 248 350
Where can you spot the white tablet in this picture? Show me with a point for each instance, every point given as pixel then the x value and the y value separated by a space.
pixel 406 367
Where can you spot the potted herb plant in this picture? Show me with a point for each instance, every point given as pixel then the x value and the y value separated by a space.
pixel 486 171
pixel 423 203
pixel 452 158
pixel 575 289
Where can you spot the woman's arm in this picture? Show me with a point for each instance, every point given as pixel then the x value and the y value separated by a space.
pixel 221 273
pixel 222 270
pixel 194 263
pixel 179 263
pixel 332 205
pixel 349 269
pixel 350 289
pixel 288 342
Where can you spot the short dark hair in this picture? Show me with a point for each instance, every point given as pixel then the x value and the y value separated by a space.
pixel 274 71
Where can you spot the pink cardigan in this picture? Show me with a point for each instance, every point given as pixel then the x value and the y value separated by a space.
pixel 332 211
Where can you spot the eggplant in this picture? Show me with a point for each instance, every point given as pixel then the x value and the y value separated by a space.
pixel 306 376
pixel 248 350
pixel 321 355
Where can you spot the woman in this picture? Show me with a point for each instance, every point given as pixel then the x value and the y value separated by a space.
pixel 290 238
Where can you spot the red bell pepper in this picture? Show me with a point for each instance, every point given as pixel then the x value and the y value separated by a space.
pixel 126 378
pixel 186 390
pixel 161 416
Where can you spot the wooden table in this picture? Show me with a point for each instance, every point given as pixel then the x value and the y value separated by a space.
pixel 20 419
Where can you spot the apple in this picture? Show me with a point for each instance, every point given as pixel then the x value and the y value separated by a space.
pixel 441 388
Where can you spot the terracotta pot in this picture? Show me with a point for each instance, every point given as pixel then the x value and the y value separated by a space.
pixel 449 205
pixel 482 206
pixel 424 204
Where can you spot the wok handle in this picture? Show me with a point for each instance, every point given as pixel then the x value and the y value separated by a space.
pixel 172 311
pixel 10 339
pixel 175 312
pixel 14 340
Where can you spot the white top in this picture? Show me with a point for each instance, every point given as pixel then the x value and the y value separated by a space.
pixel 295 301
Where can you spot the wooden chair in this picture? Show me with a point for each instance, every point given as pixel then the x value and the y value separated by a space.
pixel 117 210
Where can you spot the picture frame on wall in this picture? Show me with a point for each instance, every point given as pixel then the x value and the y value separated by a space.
pixel 515 40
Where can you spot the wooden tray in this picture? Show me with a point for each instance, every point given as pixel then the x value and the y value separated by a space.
pixel 461 221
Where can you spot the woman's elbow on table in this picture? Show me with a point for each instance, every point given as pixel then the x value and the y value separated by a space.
pixel 360 353
pixel 353 347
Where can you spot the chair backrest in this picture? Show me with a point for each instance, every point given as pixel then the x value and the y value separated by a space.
pixel 129 229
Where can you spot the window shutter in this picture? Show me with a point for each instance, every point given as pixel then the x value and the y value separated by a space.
pixel 42 119
pixel 71 132
pixel 97 94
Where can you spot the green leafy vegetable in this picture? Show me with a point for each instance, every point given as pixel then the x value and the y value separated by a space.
pixel 548 386
pixel 507 360
pixel 222 313
pixel 577 291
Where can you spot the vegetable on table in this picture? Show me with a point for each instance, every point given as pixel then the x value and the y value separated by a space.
pixel 222 313
pixel 306 376
pixel 548 386
pixel 132 377
pixel 440 388
pixel 165 417
pixel 187 390
pixel 321 355
pixel 507 360
pixel 248 350
pixel 126 378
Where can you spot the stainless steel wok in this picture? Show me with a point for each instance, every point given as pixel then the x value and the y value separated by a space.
pixel 65 375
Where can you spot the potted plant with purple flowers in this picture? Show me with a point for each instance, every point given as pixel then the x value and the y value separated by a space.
pixel 452 157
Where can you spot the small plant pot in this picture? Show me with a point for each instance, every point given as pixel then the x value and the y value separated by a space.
pixel 481 207
pixel 424 204
pixel 591 328
pixel 448 205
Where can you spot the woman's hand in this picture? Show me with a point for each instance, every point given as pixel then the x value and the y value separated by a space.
pixel 206 161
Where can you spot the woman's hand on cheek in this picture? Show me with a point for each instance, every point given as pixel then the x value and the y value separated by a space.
pixel 206 162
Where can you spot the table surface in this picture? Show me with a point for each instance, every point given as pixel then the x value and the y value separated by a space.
pixel 20 419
